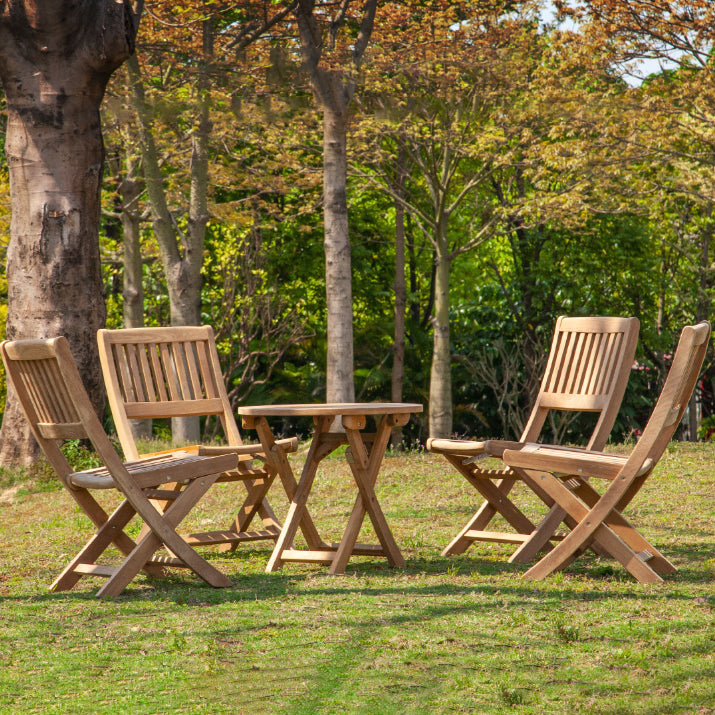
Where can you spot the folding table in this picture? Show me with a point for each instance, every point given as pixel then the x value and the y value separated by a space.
pixel 364 456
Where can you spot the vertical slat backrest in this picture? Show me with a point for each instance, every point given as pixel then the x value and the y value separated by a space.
pixel 53 398
pixel 674 397
pixel 161 373
pixel 151 369
pixel 587 370
pixel 48 394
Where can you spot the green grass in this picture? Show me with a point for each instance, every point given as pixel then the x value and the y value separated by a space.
pixel 444 635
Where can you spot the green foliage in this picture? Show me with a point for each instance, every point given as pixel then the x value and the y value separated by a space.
pixel 40 477
pixel 578 223
pixel 706 430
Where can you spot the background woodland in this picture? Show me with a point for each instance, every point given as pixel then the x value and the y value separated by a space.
pixel 505 165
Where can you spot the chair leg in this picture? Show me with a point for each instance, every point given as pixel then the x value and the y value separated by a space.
pixel 625 531
pixel 566 551
pixel 264 509
pixel 166 531
pixel 592 528
pixel 496 502
pixel 254 503
pixel 462 542
pixel 540 538
pixel 99 517
pixel 95 547
pixel 163 531
pixel 495 495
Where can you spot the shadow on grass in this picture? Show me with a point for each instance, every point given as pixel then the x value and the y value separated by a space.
pixel 589 579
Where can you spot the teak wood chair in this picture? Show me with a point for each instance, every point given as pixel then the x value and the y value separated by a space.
pixel 587 371
pixel 54 400
pixel 167 372
pixel 564 475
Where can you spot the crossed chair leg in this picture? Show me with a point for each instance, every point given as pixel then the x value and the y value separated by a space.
pixel 139 555
pixel 600 524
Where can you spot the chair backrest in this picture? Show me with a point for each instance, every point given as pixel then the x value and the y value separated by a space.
pixel 53 398
pixel 587 371
pixel 674 398
pixel 160 373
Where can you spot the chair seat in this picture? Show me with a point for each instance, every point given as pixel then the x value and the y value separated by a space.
pixel 153 471
pixel 247 454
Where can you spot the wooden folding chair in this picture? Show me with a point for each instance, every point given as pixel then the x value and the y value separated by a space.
pixel 587 371
pixel 52 395
pixel 564 475
pixel 166 372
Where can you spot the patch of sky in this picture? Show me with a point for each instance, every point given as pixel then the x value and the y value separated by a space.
pixel 633 72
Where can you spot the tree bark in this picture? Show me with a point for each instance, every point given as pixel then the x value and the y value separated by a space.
pixel 702 312
pixel 340 386
pixel 398 348
pixel 333 89
pixel 130 188
pixel 55 61
pixel 440 399
pixel 181 252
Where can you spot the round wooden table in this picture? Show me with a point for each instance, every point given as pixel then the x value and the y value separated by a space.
pixel 365 455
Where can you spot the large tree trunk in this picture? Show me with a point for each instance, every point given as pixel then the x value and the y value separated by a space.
pixel 340 385
pixel 440 393
pixel 55 61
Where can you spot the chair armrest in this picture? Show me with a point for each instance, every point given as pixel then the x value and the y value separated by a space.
pixel 245 452
pixel 289 444
pixel 569 461
pixel 496 447
pixel 470 448
pixel 464 447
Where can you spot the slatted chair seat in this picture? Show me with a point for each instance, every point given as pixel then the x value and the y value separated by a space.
pixel 587 371
pixel 53 398
pixel 169 372
pixel 152 471
pixel 569 477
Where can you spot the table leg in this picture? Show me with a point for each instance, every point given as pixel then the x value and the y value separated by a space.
pixel 297 513
pixel 365 468
pixel 278 459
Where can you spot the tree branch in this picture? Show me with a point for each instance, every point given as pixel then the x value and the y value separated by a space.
pixel 253 31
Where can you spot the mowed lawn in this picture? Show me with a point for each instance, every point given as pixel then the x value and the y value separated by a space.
pixel 463 634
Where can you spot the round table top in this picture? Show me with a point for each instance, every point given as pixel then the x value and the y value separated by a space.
pixel 330 408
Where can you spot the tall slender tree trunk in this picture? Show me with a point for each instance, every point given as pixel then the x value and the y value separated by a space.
pixel 440 395
pixel 55 61
pixel 181 253
pixel 398 347
pixel 702 312
pixel 130 189
pixel 340 386
pixel 333 86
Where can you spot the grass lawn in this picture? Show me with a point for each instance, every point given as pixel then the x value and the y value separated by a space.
pixel 444 635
